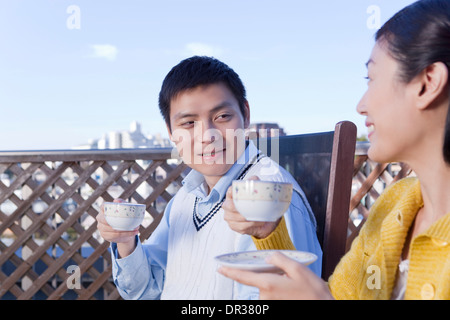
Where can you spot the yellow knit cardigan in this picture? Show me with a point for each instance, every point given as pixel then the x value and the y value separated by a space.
pixel 368 270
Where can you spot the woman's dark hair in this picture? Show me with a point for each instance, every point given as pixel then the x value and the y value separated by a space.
pixel 417 37
pixel 198 71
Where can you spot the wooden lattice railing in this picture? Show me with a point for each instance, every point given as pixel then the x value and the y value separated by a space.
pixel 49 201
pixel 369 180
pixel 48 205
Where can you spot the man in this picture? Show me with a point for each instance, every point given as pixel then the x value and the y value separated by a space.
pixel 204 105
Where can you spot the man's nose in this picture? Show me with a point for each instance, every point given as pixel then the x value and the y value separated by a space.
pixel 207 132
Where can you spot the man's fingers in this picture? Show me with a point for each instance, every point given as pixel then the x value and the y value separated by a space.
pixel 229 194
pixel 101 217
pixel 227 205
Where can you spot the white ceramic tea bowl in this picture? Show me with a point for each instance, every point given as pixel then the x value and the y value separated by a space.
pixel 124 216
pixel 260 200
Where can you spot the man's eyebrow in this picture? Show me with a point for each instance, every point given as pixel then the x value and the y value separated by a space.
pixel 181 115
pixel 222 105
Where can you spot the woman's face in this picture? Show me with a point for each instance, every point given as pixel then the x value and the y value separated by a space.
pixel 387 106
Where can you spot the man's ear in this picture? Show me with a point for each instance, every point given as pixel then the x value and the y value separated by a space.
pixel 169 131
pixel 432 82
pixel 247 115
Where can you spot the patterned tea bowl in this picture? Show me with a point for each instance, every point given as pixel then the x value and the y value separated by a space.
pixel 124 216
pixel 261 200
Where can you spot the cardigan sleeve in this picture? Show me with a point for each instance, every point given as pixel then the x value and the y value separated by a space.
pixel 278 240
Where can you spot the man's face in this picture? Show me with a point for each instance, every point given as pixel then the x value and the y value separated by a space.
pixel 208 129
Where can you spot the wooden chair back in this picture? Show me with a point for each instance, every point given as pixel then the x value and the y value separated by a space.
pixel 322 164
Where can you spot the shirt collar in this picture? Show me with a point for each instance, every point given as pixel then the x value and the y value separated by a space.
pixel 194 181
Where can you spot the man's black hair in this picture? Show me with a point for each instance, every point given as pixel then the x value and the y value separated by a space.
pixel 199 71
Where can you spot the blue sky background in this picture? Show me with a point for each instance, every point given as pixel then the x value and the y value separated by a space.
pixel 302 62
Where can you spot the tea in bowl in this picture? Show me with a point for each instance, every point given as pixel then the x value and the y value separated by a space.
pixel 261 200
pixel 124 216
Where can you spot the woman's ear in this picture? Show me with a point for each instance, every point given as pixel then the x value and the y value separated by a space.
pixel 432 83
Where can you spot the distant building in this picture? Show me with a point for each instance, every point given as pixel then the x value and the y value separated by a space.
pixel 134 138
pixel 264 130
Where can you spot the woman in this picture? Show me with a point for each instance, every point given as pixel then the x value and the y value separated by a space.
pixel 403 250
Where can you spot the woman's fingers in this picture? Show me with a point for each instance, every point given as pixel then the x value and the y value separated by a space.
pixel 298 282
pixel 291 268
pixel 248 278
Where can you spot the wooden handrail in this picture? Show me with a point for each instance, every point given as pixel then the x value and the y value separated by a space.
pixel 86 155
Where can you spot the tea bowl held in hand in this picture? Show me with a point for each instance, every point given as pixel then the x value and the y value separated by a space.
pixel 261 200
pixel 124 216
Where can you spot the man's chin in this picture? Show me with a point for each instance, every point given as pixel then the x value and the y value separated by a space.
pixel 212 169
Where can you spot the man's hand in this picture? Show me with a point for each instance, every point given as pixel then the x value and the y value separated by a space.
pixel 238 223
pixel 125 239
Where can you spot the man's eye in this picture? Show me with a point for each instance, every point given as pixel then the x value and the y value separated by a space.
pixel 187 124
pixel 224 117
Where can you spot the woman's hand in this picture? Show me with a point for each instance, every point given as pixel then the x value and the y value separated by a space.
pixel 297 282
pixel 125 239
pixel 238 223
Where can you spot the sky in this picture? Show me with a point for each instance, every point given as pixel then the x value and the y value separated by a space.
pixel 71 71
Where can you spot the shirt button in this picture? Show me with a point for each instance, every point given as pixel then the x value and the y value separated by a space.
pixel 439 242
pixel 427 292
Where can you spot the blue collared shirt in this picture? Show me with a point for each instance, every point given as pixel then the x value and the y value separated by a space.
pixel 141 275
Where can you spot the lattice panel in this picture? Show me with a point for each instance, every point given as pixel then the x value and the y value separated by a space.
pixel 369 181
pixel 48 228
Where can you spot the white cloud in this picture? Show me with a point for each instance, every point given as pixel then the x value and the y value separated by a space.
pixel 105 51
pixel 202 49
